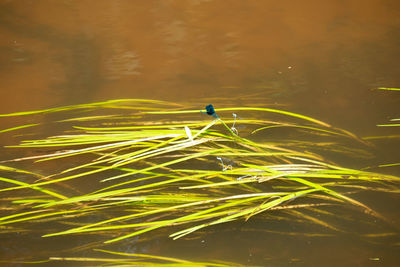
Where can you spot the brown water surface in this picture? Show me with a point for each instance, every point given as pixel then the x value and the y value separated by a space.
pixel 324 59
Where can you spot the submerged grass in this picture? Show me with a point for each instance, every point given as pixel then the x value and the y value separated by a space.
pixel 393 123
pixel 135 259
pixel 188 173
pixel 108 258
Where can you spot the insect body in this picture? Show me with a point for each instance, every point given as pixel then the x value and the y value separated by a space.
pixel 210 111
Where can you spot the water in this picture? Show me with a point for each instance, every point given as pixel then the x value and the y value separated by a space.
pixel 324 59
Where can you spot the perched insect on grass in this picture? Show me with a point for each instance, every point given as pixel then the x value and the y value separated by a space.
pixel 210 111
pixel 171 177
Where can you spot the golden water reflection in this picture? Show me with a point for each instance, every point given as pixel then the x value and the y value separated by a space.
pixel 57 52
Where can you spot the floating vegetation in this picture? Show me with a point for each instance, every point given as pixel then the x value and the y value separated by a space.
pixel 389 89
pixel 167 166
pixel 133 259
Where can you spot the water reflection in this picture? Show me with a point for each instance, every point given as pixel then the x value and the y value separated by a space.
pixel 170 48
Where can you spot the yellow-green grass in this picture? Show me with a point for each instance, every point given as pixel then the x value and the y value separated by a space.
pixel 178 168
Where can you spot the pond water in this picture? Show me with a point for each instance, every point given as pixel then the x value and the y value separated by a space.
pixel 324 59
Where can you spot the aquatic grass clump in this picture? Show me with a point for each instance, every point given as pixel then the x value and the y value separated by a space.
pixel 164 165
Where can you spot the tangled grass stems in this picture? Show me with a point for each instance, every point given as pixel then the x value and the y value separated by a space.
pixel 186 172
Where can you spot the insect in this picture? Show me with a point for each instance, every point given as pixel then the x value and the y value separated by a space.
pixel 210 111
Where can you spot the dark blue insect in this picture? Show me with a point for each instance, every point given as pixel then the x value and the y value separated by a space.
pixel 210 111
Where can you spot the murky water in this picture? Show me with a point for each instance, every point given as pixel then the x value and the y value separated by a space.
pixel 324 59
